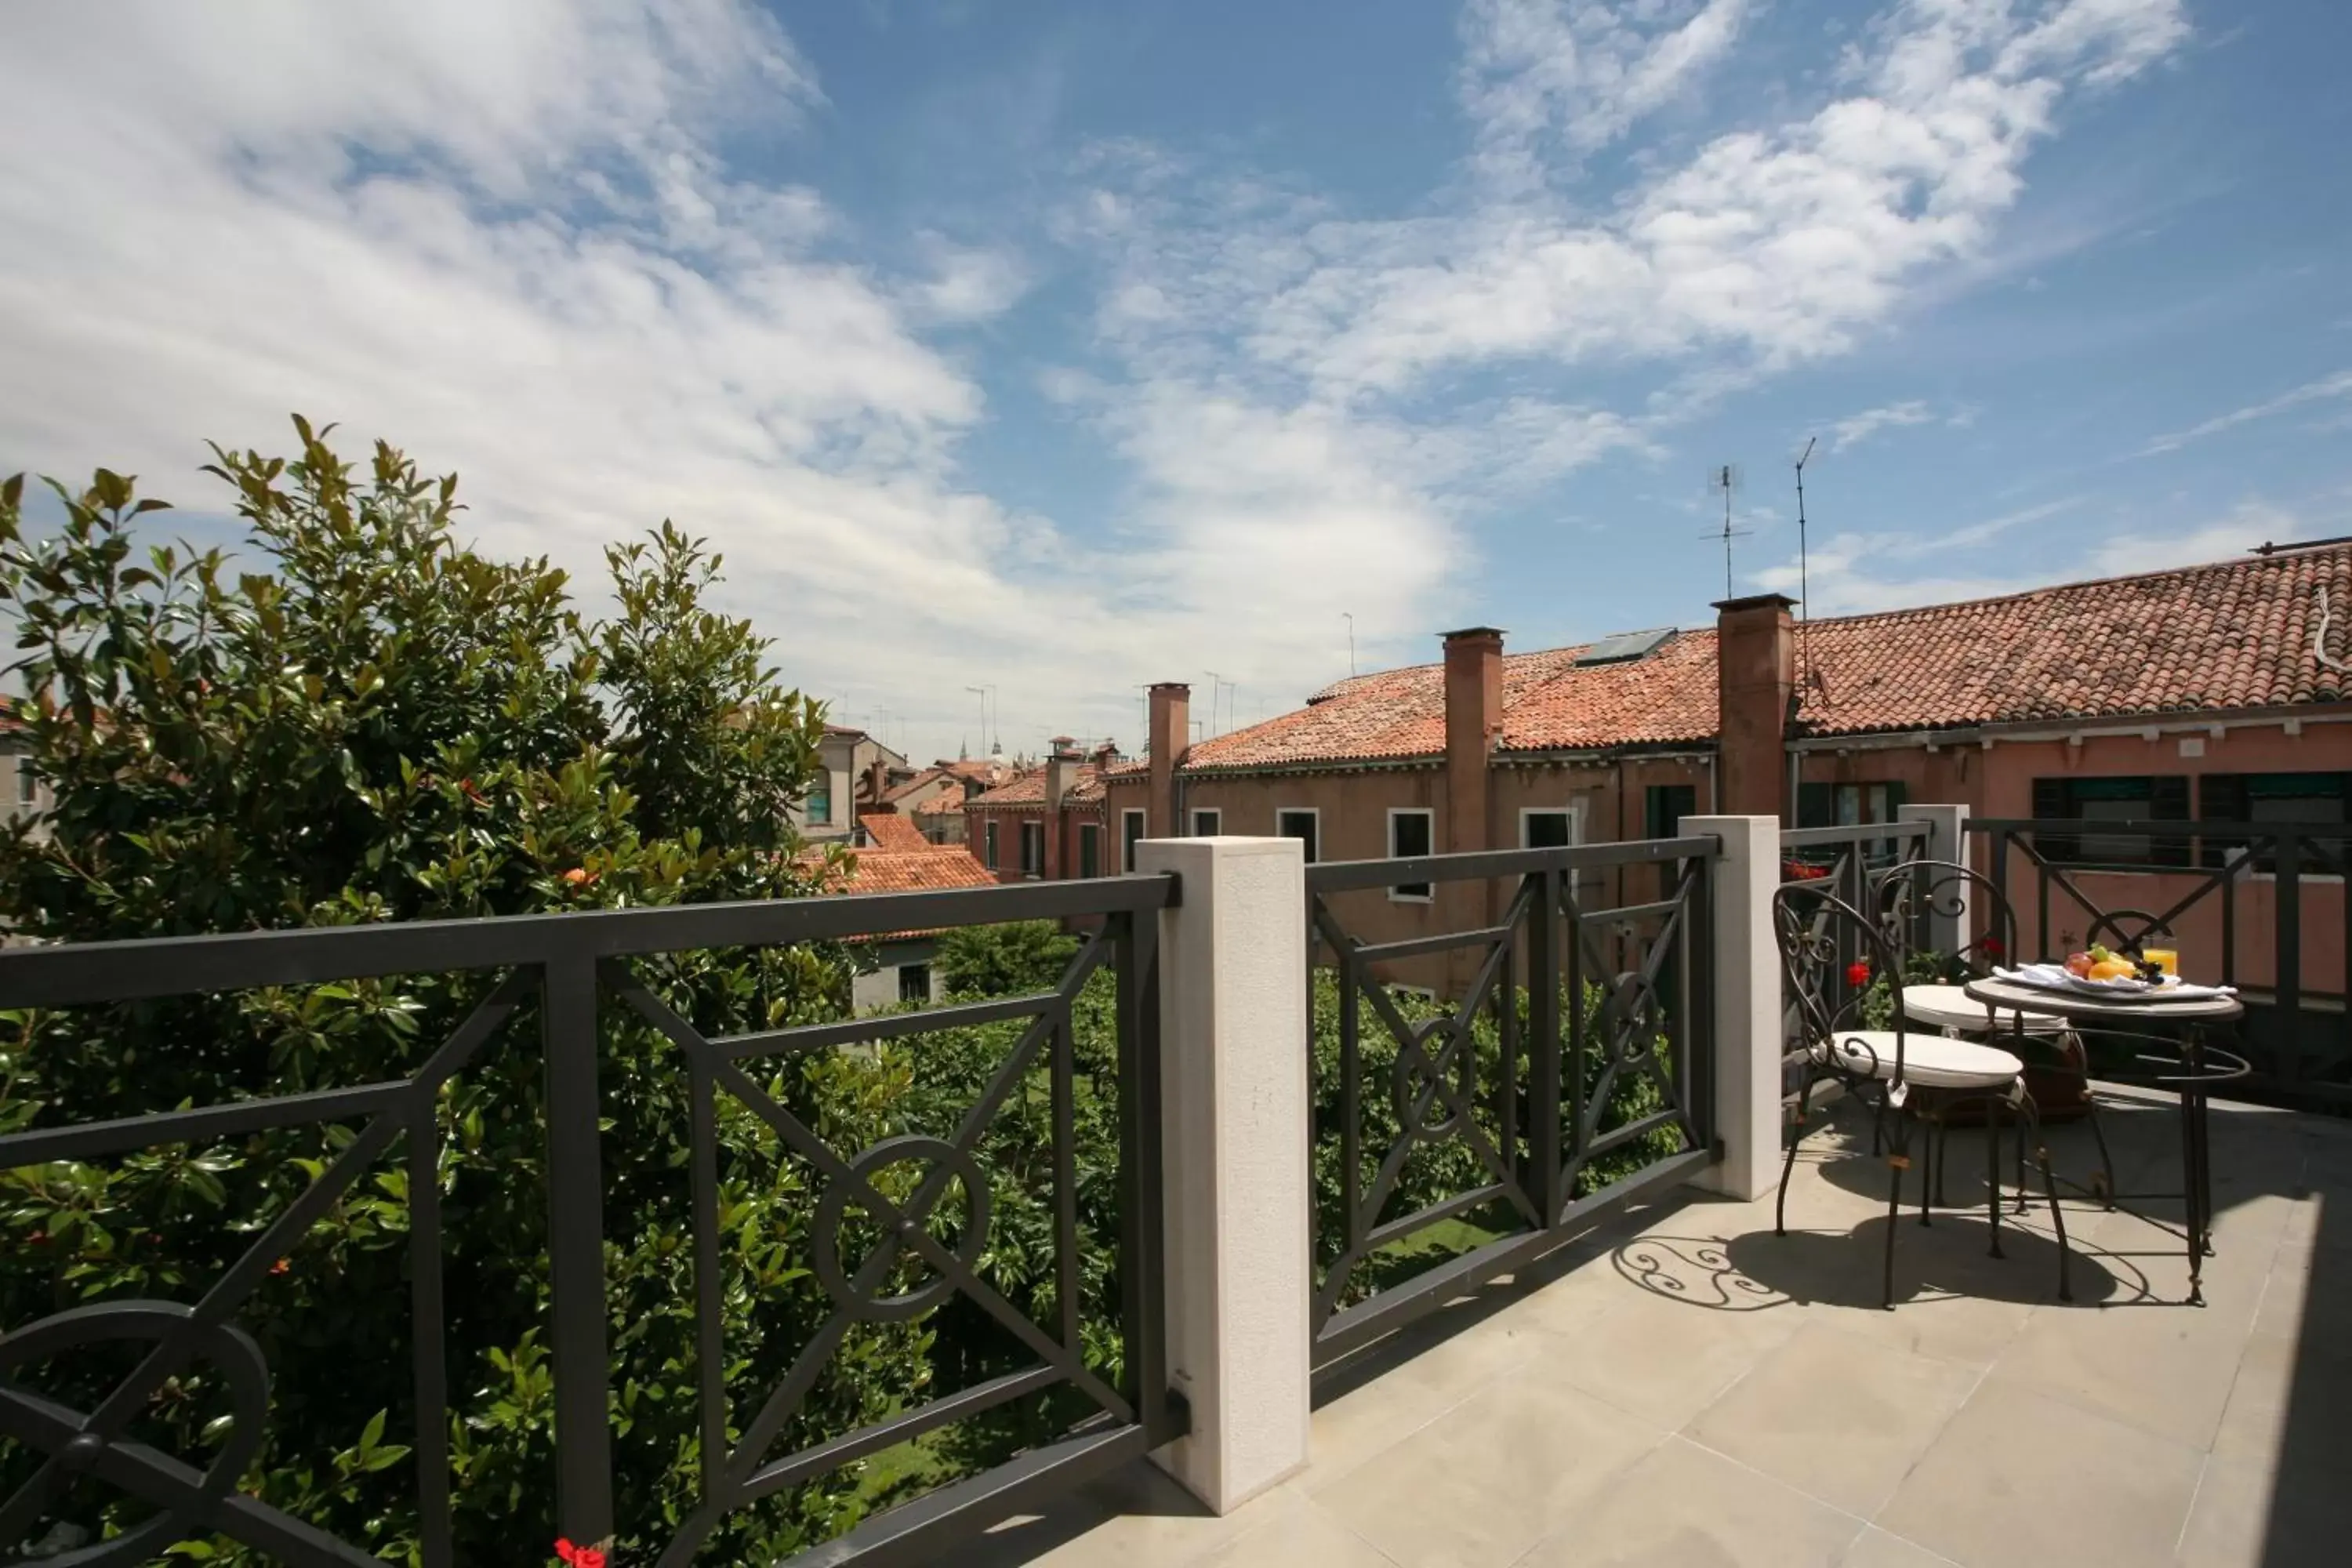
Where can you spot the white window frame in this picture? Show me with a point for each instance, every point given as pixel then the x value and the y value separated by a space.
pixel 988 843
pixel 1089 833
pixel 1397 894
pixel 1029 869
pixel 29 785
pixel 1127 841
pixel 1314 812
pixel 1216 815
pixel 1574 810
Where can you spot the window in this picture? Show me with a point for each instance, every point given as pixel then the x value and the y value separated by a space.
pixel 29 785
pixel 1847 804
pixel 2162 797
pixel 914 982
pixel 1541 827
pixel 1664 807
pixel 1299 823
pixel 2276 797
pixel 1089 849
pixel 1032 849
pixel 1208 822
pixel 988 856
pixel 820 804
pixel 1130 833
pixel 1409 835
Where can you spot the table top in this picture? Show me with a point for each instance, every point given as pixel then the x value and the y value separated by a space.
pixel 2071 1004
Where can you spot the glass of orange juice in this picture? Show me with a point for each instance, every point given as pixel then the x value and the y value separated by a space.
pixel 2165 958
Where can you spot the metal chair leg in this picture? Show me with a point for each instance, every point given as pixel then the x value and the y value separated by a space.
pixel 1789 1159
pixel 1930 1147
pixel 2031 1116
pixel 1992 1172
pixel 1897 1160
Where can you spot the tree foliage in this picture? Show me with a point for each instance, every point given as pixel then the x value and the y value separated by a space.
pixel 359 719
pixel 1006 960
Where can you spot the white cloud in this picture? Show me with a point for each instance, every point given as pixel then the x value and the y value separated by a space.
pixel 2336 385
pixel 1767 246
pixel 509 238
pixel 1857 429
pixel 1540 77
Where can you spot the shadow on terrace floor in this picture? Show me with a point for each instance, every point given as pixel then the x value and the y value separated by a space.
pixel 1712 1356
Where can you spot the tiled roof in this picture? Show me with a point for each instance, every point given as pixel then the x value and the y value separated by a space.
pixel 2237 634
pixel 2234 634
pixel 948 804
pixel 1028 789
pixel 892 832
pixel 932 868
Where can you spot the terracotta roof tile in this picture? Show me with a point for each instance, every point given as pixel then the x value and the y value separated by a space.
pixel 891 832
pixel 2232 635
pixel 933 867
pixel 1028 789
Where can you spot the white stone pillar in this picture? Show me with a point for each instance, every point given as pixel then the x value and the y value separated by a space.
pixel 1948 922
pixel 1232 986
pixel 1748 1043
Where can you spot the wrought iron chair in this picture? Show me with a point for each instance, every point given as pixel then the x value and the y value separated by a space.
pixel 1903 897
pixel 1831 953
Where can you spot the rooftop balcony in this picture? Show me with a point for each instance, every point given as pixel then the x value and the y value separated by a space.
pixel 1682 1386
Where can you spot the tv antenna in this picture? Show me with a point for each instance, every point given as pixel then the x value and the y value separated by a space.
pixel 1725 477
pixel 1216 684
pixel 1351 642
pixel 1804 578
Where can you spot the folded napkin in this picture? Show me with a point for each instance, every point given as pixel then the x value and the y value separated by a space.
pixel 2058 977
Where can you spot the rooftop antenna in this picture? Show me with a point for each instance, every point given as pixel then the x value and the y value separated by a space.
pixel 1352 643
pixel 1804 578
pixel 1725 477
pixel 1216 683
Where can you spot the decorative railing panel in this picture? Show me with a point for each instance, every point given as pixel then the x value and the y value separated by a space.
pixel 2266 907
pixel 1561 1064
pixel 896 1227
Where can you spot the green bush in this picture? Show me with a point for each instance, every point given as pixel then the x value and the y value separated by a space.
pixel 1011 959
pixel 359 720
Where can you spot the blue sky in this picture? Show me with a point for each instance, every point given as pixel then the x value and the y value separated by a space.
pixel 1064 347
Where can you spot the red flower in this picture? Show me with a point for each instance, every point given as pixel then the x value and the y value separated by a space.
pixel 579 1556
pixel 1991 947
pixel 280 1267
pixel 1857 974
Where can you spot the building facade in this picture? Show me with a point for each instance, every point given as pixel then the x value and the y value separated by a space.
pixel 2206 691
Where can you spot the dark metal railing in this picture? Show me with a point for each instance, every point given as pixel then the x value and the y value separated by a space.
pixel 2233 896
pixel 1843 862
pixel 570 964
pixel 1513 1074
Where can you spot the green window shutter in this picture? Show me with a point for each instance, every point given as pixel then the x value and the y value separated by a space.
pixel 1816 806
pixel 2221 797
pixel 2167 800
pixel 2052 803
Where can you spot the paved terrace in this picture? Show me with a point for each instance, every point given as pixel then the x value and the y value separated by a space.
pixel 1687 1388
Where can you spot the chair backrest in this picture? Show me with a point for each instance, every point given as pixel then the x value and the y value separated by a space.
pixel 1832 955
pixel 1906 895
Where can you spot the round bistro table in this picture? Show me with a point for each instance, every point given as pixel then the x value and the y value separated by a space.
pixel 2183 1063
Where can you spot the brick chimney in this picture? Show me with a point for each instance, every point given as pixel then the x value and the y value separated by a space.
pixel 1756 672
pixel 1474 717
pixel 1061 772
pixel 1171 737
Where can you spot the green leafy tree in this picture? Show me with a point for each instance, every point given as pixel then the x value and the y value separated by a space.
pixel 359 719
pixel 1008 959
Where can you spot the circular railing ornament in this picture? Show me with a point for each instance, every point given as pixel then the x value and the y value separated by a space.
pixel 833 1212
pixel 79 1447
